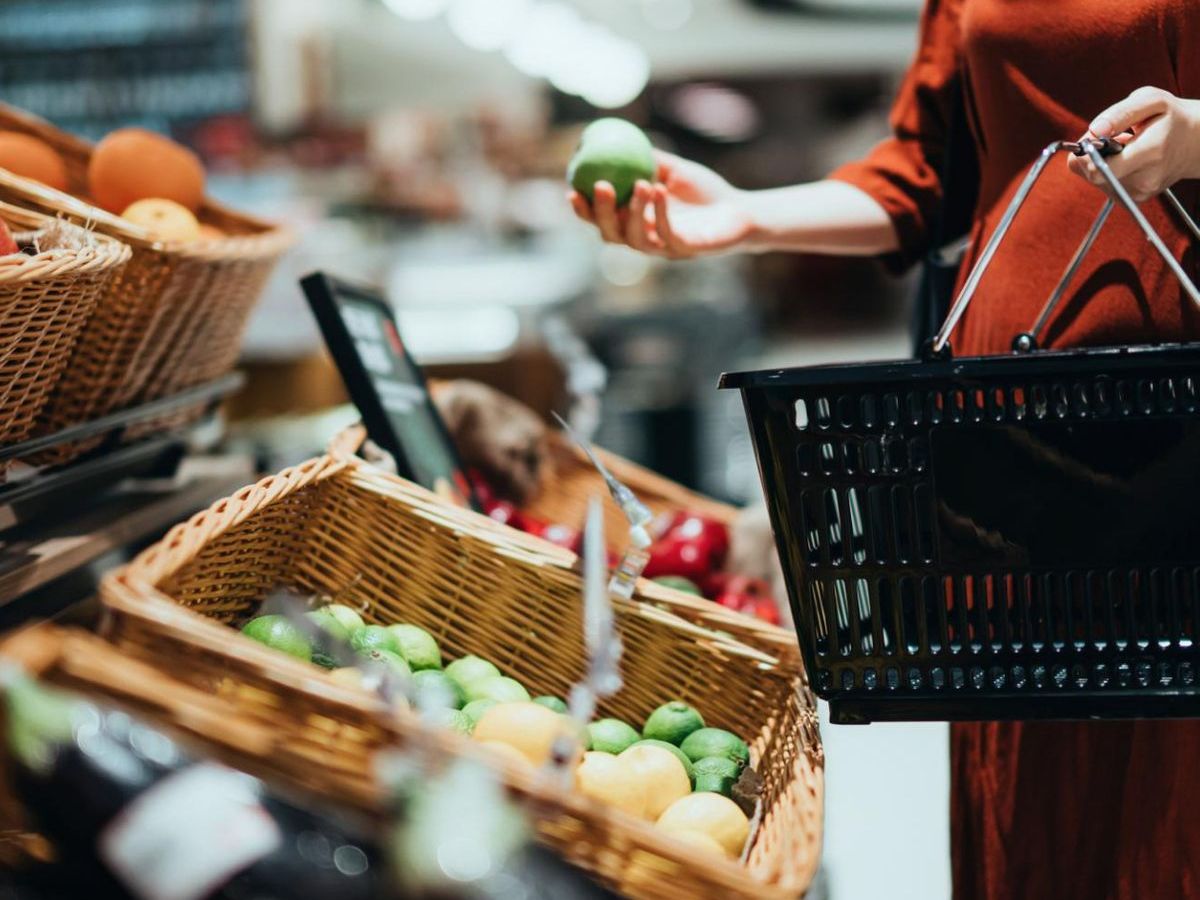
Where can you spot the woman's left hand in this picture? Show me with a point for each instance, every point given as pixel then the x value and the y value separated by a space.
pixel 1164 147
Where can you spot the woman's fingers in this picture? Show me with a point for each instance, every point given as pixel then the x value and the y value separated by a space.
pixel 639 231
pixel 662 224
pixel 604 208
pixel 580 205
pixel 1144 103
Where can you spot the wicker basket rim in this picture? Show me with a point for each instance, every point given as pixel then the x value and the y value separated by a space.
pixel 105 253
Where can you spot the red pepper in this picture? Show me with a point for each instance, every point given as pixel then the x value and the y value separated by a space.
pixel 504 512
pixel 691 559
pixel 689 526
pixel 562 535
pixel 751 597
pixel 762 608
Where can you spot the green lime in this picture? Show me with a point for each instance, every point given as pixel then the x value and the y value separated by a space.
pixel 329 623
pixel 611 735
pixel 349 618
pixel 417 646
pixel 679 583
pixel 453 719
pixel 716 742
pixel 434 689
pixel 279 634
pixel 470 668
pixel 672 722
pixel 717 774
pixel 498 688
pixel 375 637
pixel 393 661
pixel 679 755
pixel 554 703
pixel 615 151
pixel 476 708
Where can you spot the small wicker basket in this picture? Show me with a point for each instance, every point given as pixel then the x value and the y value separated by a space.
pixel 175 317
pixel 339 527
pixel 46 300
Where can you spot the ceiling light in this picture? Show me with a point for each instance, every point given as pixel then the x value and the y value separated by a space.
pixel 486 24
pixel 417 10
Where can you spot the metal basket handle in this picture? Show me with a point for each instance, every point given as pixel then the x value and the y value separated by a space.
pixel 1096 150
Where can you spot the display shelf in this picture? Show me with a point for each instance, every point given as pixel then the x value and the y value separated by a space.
pixel 123 517
pixel 58 491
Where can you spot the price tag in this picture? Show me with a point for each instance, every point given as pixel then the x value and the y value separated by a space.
pixel 189 834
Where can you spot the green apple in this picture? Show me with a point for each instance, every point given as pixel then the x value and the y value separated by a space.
pixel 615 151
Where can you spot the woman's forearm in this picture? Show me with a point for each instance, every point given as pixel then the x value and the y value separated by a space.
pixel 830 217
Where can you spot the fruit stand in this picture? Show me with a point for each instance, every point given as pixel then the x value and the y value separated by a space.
pixel 340 650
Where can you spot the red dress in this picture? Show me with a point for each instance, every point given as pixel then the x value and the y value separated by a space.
pixel 1055 810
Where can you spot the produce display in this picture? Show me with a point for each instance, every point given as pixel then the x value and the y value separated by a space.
pixel 688 554
pixel 138 175
pixel 615 151
pixel 676 771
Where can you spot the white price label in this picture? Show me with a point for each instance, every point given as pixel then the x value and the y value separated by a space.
pixel 189 834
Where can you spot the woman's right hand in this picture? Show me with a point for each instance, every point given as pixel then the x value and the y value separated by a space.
pixel 691 211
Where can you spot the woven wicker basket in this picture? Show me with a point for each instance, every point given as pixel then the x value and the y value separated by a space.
pixel 45 302
pixel 175 317
pixel 572 481
pixel 335 526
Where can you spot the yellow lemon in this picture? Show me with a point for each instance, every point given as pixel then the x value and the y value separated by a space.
pixel 663 777
pixel 165 219
pixel 699 840
pixel 508 751
pixel 527 726
pixel 711 814
pixel 604 777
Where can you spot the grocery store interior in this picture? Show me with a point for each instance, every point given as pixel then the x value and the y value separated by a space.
pixel 417 149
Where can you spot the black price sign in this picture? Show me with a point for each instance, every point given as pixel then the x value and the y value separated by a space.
pixel 386 385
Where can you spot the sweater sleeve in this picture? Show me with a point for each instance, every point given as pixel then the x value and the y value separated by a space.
pixel 901 173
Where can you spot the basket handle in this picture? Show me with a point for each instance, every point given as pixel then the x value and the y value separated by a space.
pixel 1096 150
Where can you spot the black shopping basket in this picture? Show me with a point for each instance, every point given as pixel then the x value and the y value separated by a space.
pixel 993 538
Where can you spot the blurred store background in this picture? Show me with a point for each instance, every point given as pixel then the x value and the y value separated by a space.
pixel 419 145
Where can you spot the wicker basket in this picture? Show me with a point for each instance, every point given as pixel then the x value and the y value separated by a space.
pixel 175 317
pixel 45 301
pixel 335 526
pixel 572 480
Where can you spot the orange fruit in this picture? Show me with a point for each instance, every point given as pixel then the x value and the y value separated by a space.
pixel 29 157
pixel 133 164
pixel 165 219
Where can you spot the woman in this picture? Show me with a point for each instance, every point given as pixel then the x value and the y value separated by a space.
pixel 1039 810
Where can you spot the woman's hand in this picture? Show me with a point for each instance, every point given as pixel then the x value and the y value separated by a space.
pixel 1164 147
pixel 691 211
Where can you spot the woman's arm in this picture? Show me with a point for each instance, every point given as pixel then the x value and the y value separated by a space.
pixel 883 204
pixel 692 212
